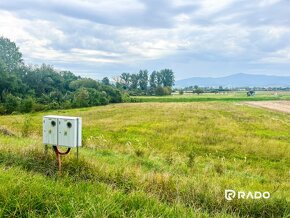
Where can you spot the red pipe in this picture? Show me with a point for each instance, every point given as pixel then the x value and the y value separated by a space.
pixel 58 154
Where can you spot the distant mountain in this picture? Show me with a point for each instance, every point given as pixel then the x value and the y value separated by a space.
pixel 236 80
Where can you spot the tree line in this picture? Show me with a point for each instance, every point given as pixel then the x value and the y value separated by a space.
pixel 141 83
pixel 26 88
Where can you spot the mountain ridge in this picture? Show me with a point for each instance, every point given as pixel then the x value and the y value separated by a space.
pixel 236 80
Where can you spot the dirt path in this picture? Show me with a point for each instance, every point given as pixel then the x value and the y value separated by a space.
pixel 283 106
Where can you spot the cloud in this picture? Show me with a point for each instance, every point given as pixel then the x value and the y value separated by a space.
pixel 106 37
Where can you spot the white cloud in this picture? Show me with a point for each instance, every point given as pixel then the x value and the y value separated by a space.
pixel 264 3
pixel 209 7
pixel 281 56
pixel 108 35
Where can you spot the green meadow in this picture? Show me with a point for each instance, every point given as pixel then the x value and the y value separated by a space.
pixel 230 96
pixel 151 159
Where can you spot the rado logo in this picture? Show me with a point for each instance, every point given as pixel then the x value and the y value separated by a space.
pixel 232 194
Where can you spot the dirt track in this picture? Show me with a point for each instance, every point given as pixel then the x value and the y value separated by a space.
pixel 283 106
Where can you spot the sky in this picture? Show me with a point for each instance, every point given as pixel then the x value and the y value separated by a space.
pixel 205 38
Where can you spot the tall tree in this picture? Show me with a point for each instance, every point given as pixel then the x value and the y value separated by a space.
pixel 8 82
pixel 125 80
pixel 159 78
pixel 143 79
pixel 153 80
pixel 134 78
pixel 106 81
pixel 167 77
pixel 10 54
pixel 4 84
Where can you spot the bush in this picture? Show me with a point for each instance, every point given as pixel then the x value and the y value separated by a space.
pixel 26 126
pixel 53 105
pixel 181 92
pixel 114 94
pixel 161 91
pixel 104 98
pixel 198 91
pixel 66 104
pixel 26 105
pixel 2 109
pixel 11 103
pixel 81 98
pixel 39 107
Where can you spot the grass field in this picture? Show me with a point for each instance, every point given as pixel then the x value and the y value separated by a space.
pixel 150 160
pixel 226 96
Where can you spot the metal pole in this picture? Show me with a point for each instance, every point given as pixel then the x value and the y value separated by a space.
pixel 46 150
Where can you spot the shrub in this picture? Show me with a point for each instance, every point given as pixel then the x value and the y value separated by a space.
pixel 66 104
pixel 26 105
pixel 53 105
pixel 104 98
pixel 198 91
pixel 114 94
pixel 160 91
pixel 81 98
pixel 11 103
pixel 2 109
pixel 26 126
pixel 39 107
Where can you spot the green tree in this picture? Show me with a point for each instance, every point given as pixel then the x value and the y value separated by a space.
pixel 114 95
pixel 84 83
pixel 106 81
pixel 153 80
pixel 11 103
pixel 10 54
pixel 4 83
pixel 198 91
pixel 9 81
pixel 68 77
pixel 167 76
pixel 134 78
pixel 160 91
pixel 26 105
pixel 43 79
pixel 159 78
pixel 143 79
pixel 27 88
pixel 125 80
pixel 81 98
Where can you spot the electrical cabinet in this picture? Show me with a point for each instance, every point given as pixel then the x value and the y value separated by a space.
pixel 69 132
pixel 50 130
pixel 62 131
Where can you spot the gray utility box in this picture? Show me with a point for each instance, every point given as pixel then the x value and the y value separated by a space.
pixel 62 131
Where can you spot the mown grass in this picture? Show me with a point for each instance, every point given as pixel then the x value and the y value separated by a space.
pixel 232 96
pixel 151 160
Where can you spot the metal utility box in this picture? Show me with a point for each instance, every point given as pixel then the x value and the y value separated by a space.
pixel 50 130
pixel 67 131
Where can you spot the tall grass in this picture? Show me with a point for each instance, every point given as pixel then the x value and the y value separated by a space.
pixel 151 160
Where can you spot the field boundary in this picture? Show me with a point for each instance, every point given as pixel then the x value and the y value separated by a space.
pixel 281 106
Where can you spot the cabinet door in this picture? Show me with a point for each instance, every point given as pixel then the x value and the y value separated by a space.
pixel 67 132
pixel 50 129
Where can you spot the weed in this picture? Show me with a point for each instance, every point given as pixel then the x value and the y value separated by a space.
pixel 26 126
